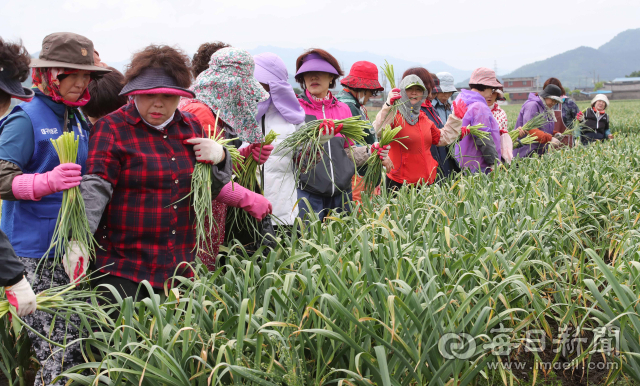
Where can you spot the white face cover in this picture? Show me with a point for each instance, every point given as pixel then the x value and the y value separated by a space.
pixel 361 98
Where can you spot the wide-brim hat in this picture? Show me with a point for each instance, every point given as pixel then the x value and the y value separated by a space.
pixel 13 87
pixel 314 62
pixel 363 75
pixel 67 50
pixel 484 76
pixel 552 92
pixel 446 82
pixel 155 80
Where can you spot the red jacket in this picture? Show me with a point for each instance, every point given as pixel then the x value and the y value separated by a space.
pixel 415 163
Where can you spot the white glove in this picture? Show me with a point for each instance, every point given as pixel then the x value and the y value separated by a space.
pixel 75 262
pixel 207 150
pixel 555 142
pixel 21 296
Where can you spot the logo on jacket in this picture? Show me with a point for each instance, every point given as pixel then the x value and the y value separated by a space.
pixel 49 131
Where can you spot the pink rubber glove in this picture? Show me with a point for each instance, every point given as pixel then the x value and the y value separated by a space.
pixel 35 186
pixel 394 95
pixel 21 296
pixel 579 116
pixel 382 151
pixel 459 108
pixel 259 152
pixel 464 132
pixel 240 197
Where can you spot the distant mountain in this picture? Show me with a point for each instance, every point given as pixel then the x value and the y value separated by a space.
pixel 578 67
pixel 347 58
pixel 615 59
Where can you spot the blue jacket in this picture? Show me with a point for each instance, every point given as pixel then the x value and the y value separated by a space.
pixel 31 126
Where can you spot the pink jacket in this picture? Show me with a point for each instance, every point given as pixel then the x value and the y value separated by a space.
pixel 330 108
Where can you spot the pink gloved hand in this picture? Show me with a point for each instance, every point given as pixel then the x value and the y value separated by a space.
pixel 35 186
pixel 394 95
pixel 21 296
pixel 464 132
pixel 580 116
pixel 240 197
pixel 382 151
pixel 459 108
pixel 258 151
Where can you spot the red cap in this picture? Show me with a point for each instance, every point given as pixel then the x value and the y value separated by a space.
pixel 363 75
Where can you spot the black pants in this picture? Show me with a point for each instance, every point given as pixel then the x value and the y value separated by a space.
pixel 125 288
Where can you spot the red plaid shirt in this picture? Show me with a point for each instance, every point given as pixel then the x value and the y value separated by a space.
pixel 144 233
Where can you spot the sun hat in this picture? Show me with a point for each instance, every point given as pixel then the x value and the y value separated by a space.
pixel 446 82
pixel 155 80
pixel 436 84
pixel 271 70
pixel 484 76
pixel 600 97
pixel 229 87
pixel 315 62
pixel 13 87
pixel 419 84
pixel 363 75
pixel 67 50
pixel 552 92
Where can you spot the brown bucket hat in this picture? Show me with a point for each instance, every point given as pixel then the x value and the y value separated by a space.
pixel 68 50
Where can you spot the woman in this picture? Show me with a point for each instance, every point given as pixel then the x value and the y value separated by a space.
pixel 595 126
pixel 500 115
pixel 141 158
pixel 446 164
pixel 536 104
pixel 441 98
pixel 227 88
pixel 570 110
pixel 473 153
pixel 360 85
pixel 33 179
pixel 415 164
pixel 282 114
pixel 328 185
pixel 202 57
pixel 14 69
pixel 105 97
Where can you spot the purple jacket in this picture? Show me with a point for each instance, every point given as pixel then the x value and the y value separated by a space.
pixel 532 107
pixel 467 152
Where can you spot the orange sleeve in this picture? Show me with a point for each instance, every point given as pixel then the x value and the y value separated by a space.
pixel 541 135
pixel 435 134
pixel 203 113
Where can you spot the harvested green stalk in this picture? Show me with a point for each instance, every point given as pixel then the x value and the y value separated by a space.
pixel 304 144
pixel 72 223
pixel 374 169
pixel 389 73
pixel 202 200
pixel 387 70
pixel 528 140
pixel 534 123
pixel 248 176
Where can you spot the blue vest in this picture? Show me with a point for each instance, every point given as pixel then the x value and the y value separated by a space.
pixel 30 224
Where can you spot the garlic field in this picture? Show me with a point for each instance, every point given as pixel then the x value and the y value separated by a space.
pixel 524 275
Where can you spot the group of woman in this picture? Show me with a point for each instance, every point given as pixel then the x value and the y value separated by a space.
pixel 141 134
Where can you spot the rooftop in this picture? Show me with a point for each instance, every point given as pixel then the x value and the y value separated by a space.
pixel 621 80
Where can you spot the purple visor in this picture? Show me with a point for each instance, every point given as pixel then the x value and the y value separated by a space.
pixel 314 62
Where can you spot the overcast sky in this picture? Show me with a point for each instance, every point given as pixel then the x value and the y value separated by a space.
pixel 462 33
